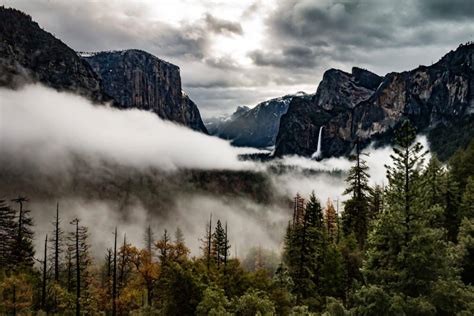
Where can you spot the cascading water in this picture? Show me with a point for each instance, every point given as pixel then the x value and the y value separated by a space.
pixel 317 153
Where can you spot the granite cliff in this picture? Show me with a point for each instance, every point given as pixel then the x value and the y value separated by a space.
pixel 137 79
pixel 364 107
pixel 125 79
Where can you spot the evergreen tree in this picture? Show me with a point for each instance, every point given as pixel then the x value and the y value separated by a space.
pixel 451 207
pixel 356 217
pixel 407 258
pixel 220 244
pixel 57 246
pixel 206 246
pixel 164 246
pixel 304 251
pixel 80 265
pixel 149 238
pixel 23 250
pixel 7 235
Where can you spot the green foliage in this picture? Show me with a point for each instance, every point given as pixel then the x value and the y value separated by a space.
pixel 446 139
pixel 253 302
pixel 214 302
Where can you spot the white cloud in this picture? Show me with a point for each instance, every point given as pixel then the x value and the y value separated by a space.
pixel 47 127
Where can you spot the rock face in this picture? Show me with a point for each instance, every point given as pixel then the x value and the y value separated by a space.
pixel 256 127
pixel 130 78
pixel 364 107
pixel 30 54
pixel 137 79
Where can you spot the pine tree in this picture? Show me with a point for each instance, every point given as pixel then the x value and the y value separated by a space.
pixel 7 235
pixel 407 258
pixel 451 206
pixel 149 238
pixel 164 246
pixel 57 245
pixel 206 242
pixel 219 244
pixel 80 264
pixel 331 221
pixel 404 175
pixel 356 217
pixel 45 271
pixel 23 251
pixel 304 251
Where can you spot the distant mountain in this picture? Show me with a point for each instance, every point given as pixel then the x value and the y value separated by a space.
pixel 253 127
pixel 137 79
pixel 126 79
pixel 361 106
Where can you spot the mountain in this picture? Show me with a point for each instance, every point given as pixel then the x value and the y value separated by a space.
pixel 126 79
pixel 363 107
pixel 137 79
pixel 30 54
pixel 253 127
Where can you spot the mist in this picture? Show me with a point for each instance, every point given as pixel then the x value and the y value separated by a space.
pixel 128 168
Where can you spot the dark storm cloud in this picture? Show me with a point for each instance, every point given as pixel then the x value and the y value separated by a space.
pixel 289 57
pixel 222 26
pixel 448 9
pixel 354 30
pixel 303 38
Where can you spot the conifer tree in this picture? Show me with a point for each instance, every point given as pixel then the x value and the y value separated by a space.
pixel 149 238
pixel 57 245
pixel 23 250
pixel 81 262
pixel 45 271
pixel 220 247
pixel 407 258
pixel 7 235
pixel 305 244
pixel 356 217
pixel 206 246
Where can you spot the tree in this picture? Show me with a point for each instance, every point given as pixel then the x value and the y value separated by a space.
pixel 57 244
pixel 305 244
pixel 45 271
pixel 254 302
pixel 114 276
pixel 220 244
pixel 80 264
pixel 356 217
pixel 331 221
pixel 404 175
pixel 164 246
pixel 207 243
pixel 149 238
pixel 147 269
pixel 23 251
pixel 7 235
pixel 407 258
pixel 214 302
pixel 16 295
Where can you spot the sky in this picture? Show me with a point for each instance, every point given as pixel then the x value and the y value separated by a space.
pixel 242 52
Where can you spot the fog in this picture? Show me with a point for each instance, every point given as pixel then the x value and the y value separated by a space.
pixel 43 133
pixel 49 125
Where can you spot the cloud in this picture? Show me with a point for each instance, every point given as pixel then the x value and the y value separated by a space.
pixel 220 26
pixel 47 128
pixel 289 57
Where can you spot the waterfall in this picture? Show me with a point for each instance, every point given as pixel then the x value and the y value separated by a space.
pixel 317 153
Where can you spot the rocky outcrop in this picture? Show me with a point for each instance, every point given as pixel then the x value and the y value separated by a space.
pixel 30 54
pixel 256 127
pixel 364 107
pixel 332 106
pixel 125 79
pixel 137 79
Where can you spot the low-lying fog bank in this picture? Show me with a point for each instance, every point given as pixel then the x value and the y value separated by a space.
pixel 132 169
